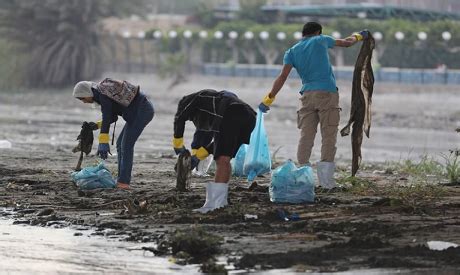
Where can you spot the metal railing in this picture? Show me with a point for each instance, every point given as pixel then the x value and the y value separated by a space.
pixel 408 76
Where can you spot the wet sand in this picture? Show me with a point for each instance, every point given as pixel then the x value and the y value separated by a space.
pixel 340 231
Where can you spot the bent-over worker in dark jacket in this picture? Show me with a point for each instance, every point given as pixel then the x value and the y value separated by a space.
pixel 223 122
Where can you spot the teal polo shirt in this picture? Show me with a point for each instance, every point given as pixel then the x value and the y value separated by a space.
pixel 311 60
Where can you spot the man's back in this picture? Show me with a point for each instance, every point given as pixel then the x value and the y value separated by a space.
pixel 311 59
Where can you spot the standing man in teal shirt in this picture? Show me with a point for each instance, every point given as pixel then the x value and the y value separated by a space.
pixel 319 101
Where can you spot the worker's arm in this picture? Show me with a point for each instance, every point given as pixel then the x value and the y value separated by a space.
pixel 280 80
pixel 187 105
pixel 352 39
pixel 107 117
pixel 264 106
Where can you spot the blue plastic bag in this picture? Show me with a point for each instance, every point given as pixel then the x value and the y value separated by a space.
pixel 257 160
pixel 291 184
pixel 238 161
pixel 93 177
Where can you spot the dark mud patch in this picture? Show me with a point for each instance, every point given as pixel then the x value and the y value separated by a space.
pixel 366 242
pixel 359 229
pixel 352 255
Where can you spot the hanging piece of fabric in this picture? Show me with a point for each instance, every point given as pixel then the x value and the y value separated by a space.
pixel 361 100
pixel 85 142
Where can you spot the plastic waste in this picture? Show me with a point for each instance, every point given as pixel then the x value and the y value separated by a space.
pixel 93 177
pixel 440 245
pixel 257 160
pixel 5 144
pixel 291 184
pixel 284 216
pixel 201 170
pixel 238 161
pixel 250 217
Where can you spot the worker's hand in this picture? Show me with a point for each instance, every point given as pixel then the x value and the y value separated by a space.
pixel 178 145
pixel 201 153
pixel 93 125
pixel 180 151
pixel 194 162
pixel 264 106
pixel 364 34
pixel 103 150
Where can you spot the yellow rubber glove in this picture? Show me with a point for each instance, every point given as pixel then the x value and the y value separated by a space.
pixel 358 36
pixel 99 124
pixel 268 100
pixel 103 149
pixel 201 153
pixel 178 142
pixel 104 138
pixel 264 106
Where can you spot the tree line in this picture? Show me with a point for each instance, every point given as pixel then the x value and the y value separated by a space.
pixel 50 44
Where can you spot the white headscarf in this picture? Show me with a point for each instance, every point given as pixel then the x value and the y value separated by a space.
pixel 83 89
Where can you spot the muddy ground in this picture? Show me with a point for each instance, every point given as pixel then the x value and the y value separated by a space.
pixel 377 222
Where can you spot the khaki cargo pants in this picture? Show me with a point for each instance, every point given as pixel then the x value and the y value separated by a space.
pixel 323 108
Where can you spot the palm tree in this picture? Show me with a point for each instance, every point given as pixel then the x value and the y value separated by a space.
pixel 60 38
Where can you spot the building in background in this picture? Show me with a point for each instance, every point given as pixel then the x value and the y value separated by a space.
pixel 301 10
pixel 433 5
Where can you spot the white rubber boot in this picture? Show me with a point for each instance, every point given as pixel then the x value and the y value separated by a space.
pixel 203 166
pixel 326 174
pixel 216 197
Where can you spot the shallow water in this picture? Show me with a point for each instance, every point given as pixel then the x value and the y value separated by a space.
pixel 43 250
pixel 27 249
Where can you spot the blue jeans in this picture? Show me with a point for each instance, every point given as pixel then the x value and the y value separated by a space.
pixel 128 137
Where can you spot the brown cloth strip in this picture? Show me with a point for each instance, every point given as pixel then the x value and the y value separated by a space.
pixel 361 100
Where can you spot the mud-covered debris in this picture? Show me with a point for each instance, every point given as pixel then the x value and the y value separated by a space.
pixel 182 258
pixel 21 222
pixel 184 171
pixel 211 267
pixel 196 242
pixel 286 216
pixel 27 211
pixel 364 242
pixel 44 220
pixel 253 186
pixel 134 206
pixel 45 212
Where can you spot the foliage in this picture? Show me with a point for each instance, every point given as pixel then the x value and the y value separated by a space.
pixel 251 10
pixel 173 67
pixel 414 196
pixel 452 166
pixel 358 186
pixel 426 166
pixel 175 6
pixel 59 38
pixel 409 52
pixel 10 75
pixel 204 14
